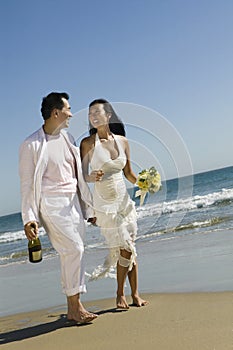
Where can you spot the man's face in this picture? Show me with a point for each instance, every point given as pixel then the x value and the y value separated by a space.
pixel 64 115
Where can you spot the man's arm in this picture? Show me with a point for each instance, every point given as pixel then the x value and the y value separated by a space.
pixel 26 172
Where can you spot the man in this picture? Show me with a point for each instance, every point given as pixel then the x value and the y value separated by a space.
pixel 55 195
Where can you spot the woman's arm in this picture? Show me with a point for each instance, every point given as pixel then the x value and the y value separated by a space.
pixel 128 172
pixel 85 151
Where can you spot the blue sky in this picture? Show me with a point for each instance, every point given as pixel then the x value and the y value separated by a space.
pixel 173 57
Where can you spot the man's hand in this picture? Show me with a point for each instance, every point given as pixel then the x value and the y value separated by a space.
pixel 31 230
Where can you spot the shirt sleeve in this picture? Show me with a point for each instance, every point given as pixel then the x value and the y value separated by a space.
pixel 26 173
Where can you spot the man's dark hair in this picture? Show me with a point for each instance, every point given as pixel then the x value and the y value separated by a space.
pixel 53 100
pixel 115 124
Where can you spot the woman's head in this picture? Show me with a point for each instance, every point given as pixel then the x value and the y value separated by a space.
pixel 101 111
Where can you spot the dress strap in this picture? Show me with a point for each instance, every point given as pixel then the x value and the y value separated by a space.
pixel 119 145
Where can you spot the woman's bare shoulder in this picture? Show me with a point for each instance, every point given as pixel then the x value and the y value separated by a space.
pixel 88 141
pixel 123 139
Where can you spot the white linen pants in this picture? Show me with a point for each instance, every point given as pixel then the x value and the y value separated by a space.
pixel 62 219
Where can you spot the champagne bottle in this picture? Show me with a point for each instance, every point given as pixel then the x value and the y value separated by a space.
pixel 34 250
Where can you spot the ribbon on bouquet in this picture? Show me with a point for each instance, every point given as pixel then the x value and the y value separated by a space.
pixel 142 195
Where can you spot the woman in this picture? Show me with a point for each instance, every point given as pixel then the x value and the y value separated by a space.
pixel 106 150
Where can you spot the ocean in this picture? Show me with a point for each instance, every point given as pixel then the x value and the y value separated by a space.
pixel 192 205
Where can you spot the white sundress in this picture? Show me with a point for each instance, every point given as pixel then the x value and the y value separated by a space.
pixel 115 211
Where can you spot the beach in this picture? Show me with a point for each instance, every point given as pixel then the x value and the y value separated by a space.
pixel 185 272
pixel 190 306
pixel 192 263
pixel 182 321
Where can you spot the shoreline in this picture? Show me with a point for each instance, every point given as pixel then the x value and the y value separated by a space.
pixel 194 263
pixel 188 283
pixel 171 321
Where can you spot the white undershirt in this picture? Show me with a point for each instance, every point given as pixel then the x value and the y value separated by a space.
pixel 59 176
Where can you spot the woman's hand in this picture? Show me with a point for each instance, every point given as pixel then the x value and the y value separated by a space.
pixel 96 176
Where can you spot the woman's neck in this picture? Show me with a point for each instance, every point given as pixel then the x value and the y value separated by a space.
pixel 104 133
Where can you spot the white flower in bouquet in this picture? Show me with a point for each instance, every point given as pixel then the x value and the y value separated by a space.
pixel 149 180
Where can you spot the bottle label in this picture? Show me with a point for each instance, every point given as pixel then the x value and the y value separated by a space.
pixel 37 255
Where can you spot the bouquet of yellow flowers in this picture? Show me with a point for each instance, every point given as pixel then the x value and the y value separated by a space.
pixel 149 180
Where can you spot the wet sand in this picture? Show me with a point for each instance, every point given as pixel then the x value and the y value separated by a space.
pixel 182 321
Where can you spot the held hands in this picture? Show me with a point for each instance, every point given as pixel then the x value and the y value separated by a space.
pixel 31 230
pixel 92 220
pixel 96 175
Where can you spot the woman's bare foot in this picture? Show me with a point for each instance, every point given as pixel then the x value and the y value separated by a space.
pixel 137 301
pixel 121 302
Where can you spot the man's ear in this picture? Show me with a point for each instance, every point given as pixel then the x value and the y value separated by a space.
pixel 54 112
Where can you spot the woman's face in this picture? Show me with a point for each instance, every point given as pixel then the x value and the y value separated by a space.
pixel 98 116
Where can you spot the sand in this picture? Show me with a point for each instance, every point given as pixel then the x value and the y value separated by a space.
pixel 182 321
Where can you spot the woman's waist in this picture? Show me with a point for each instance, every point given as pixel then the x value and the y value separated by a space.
pixel 110 187
pixel 112 176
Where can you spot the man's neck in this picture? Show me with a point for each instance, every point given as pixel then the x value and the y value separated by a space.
pixel 50 130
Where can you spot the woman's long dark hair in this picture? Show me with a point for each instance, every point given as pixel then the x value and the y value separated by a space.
pixel 115 124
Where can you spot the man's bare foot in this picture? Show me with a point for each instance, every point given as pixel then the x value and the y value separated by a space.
pixel 121 302
pixel 137 301
pixel 81 317
pixel 77 312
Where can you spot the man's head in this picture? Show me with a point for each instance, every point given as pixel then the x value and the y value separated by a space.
pixel 55 110
pixel 54 100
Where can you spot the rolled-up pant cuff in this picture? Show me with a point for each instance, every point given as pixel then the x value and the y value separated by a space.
pixel 74 291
